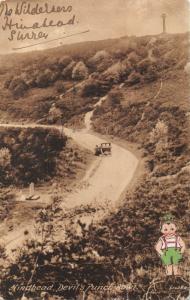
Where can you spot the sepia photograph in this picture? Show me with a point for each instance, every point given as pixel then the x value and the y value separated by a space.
pixel 94 150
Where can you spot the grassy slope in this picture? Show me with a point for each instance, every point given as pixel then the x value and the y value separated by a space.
pixel 159 192
pixel 124 242
pixel 36 102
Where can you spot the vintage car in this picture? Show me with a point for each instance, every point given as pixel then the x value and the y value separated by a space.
pixel 103 149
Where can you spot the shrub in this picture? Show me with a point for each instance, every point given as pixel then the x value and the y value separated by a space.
pixel 119 54
pixel 94 88
pixel 99 56
pixel 187 68
pixel 64 61
pixel 46 77
pixel 59 86
pixel 49 62
pixel 142 51
pixel 151 74
pixel 128 67
pixel 101 61
pixel 134 78
pixel 133 58
pixel 8 82
pixel 55 114
pixel 104 65
pixel 116 72
pixel 20 90
pixel 5 157
pixel 143 65
pixel 160 132
pixel 114 97
pixel 18 87
pixel 80 71
pixel 67 71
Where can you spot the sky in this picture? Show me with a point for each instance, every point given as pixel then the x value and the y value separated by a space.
pixel 102 18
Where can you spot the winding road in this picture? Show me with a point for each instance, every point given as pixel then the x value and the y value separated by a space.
pixel 108 176
pixel 105 179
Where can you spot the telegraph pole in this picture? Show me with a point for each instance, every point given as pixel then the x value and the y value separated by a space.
pixel 164 23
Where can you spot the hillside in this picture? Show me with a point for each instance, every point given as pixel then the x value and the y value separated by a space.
pixel 147 104
pixel 31 83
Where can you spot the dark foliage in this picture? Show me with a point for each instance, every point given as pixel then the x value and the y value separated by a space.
pixel 33 154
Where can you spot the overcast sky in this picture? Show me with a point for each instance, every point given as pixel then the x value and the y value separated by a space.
pixel 103 18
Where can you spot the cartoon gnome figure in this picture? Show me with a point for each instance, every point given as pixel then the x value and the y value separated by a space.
pixel 170 246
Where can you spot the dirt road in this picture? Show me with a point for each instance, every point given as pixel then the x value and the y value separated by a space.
pixel 106 178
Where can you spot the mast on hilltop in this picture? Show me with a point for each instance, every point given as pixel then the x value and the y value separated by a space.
pixel 164 22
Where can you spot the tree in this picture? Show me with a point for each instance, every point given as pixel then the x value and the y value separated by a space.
pixel 116 72
pixel 80 71
pixel 101 61
pixel 102 54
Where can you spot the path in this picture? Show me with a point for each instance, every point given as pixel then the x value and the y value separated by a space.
pixel 106 178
